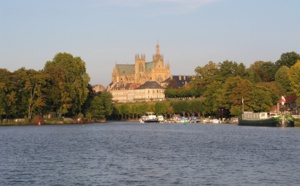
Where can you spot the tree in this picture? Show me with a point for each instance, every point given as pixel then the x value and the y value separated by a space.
pixel 101 105
pixel 230 69
pixel 160 108
pixel 34 87
pixel 275 89
pixel 76 80
pixel 261 71
pixel 58 97
pixel 283 78
pixel 205 76
pixel 4 81
pixel 28 90
pixel 235 89
pixel 287 59
pixel 212 98
pixel 97 109
pixel 87 103
pixel 295 80
pixel 125 110
pixel 236 111
pixel 107 103
pixel 169 108
pixel 197 106
pixel 259 100
pixel 2 95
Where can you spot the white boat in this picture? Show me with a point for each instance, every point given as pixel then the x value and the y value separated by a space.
pixel 160 119
pixel 148 117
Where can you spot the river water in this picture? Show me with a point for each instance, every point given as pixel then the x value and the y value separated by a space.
pixel 149 154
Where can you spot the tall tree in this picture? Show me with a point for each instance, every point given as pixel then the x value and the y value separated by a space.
pixel 213 97
pixel 283 78
pixel 205 76
pixel 275 89
pixel 231 69
pixel 160 108
pixel 4 81
pixel 36 95
pixel 107 103
pixel 235 90
pixel 97 109
pixel 29 87
pixel 295 80
pixel 287 59
pixel 259 100
pixel 76 79
pixel 261 71
pixel 58 98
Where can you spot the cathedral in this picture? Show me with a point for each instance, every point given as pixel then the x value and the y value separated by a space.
pixel 142 71
pixel 140 81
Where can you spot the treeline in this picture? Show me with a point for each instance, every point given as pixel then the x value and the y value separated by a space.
pixel 225 85
pixel 185 107
pixel 218 89
pixel 61 87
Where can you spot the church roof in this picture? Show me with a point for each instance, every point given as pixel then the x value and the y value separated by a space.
pixel 150 85
pixel 125 69
pixel 150 65
pixel 130 69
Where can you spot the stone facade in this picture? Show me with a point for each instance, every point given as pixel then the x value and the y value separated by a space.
pixel 140 81
pixel 135 92
pixel 142 71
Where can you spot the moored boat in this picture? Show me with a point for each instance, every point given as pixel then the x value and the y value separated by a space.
pixel 263 119
pixel 148 117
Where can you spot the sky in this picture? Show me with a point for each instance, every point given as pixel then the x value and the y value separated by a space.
pixel 107 32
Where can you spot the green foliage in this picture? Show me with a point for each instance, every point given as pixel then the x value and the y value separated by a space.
pixel 212 97
pixel 275 89
pixel 97 108
pixel 58 96
pixel 236 111
pixel 160 108
pixel 295 78
pixel 287 59
pixel 183 92
pixel 62 87
pixel 205 76
pixel 259 100
pixel 230 69
pixel 283 78
pixel 261 71
pixel 74 84
pixel 101 105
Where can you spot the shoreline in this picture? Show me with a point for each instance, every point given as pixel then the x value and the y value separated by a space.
pixel 297 123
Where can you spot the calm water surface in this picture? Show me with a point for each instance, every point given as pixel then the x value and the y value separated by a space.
pixel 149 154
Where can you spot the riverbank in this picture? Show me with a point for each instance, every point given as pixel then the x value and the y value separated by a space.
pixel 69 121
pixel 50 122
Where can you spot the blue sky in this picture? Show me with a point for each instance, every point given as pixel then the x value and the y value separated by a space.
pixel 105 32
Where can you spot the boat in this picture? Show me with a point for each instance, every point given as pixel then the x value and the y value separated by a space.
pixel 149 117
pixel 265 119
pixel 160 119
